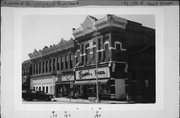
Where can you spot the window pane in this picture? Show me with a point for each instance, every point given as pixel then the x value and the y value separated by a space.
pixel 39 88
pixel 46 89
pixel 43 88
pixel 118 47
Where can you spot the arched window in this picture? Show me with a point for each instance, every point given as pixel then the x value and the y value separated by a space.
pixel 54 64
pixel 62 63
pixel 43 67
pixel 66 62
pixel 106 51
pixel 46 66
pixel 49 65
pixel 57 63
pixel 36 68
pixel 71 60
pixel 39 67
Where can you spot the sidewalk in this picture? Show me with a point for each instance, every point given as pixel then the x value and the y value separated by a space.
pixel 86 101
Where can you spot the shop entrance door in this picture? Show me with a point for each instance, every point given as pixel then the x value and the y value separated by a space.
pixel 85 91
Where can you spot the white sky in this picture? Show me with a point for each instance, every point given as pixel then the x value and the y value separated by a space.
pixel 45 30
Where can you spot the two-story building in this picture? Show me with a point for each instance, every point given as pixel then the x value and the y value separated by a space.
pixel 100 40
pixel 105 50
pixel 52 68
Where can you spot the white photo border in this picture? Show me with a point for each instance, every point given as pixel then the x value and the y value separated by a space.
pixel 159 27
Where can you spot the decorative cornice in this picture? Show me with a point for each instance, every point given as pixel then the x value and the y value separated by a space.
pixel 107 21
pixel 62 45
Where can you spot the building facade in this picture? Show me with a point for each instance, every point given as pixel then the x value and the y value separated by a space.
pixel 50 64
pixel 114 52
pixel 99 42
pixel 106 51
pixel 26 73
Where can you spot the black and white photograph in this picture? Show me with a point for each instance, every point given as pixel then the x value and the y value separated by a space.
pixel 89 62
pixel 89 59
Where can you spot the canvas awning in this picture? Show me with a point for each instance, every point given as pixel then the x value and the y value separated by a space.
pixel 90 82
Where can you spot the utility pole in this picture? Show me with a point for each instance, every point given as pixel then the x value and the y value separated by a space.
pixel 96 73
pixel 97 86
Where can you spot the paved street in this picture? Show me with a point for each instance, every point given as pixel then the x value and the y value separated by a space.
pixel 73 101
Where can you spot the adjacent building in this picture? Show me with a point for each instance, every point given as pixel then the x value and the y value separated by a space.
pixel 53 66
pixel 26 73
pixel 118 52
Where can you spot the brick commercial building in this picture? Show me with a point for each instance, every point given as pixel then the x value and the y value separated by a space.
pixel 52 66
pixel 125 55
pixel 119 52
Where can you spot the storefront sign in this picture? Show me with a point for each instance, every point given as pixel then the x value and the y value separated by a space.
pixel 69 77
pixel 91 73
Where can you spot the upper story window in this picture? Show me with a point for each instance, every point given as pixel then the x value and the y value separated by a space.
pixel 62 63
pixel 77 56
pixel 43 66
pixel 36 68
pixel 118 46
pixel 50 65
pixel 99 43
pixel 57 63
pixel 66 62
pixel 82 54
pixel 99 57
pixel 94 50
pixel 82 48
pixel 106 51
pixel 82 60
pixel 54 64
pixel 46 66
pixel 87 53
pixel 39 67
pixel 33 69
pixel 71 61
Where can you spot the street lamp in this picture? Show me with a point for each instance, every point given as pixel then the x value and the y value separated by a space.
pixel 97 86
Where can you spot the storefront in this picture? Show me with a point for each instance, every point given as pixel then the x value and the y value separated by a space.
pixel 64 85
pixel 109 88
pixel 87 88
pixel 46 84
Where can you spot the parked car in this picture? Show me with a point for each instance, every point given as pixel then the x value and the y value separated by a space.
pixel 30 95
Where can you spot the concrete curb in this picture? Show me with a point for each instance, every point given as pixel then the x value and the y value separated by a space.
pixel 87 101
